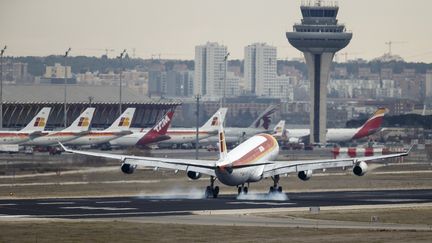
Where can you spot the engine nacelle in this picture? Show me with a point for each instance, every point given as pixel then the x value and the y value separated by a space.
pixel 360 168
pixel 128 168
pixel 193 175
pixel 305 175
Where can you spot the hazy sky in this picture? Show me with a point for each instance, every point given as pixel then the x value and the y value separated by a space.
pixel 173 27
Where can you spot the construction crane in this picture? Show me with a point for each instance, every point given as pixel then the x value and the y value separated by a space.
pixel 390 43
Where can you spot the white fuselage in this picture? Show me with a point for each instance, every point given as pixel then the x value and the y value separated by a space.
pixel 52 138
pixel 93 138
pixel 186 135
pixel 235 134
pixel 8 137
pixel 332 135
pixel 245 163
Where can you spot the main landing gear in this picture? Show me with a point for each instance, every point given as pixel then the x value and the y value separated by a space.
pixel 275 188
pixel 212 191
pixel 242 189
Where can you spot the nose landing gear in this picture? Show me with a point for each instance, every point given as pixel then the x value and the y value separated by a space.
pixel 242 189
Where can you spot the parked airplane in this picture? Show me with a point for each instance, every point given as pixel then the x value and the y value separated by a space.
pixel 370 127
pixel 188 135
pixel 251 161
pixel 146 137
pixel 120 127
pixel 78 128
pixel 235 135
pixel 33 129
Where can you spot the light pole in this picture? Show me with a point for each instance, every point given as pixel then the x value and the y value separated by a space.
pixel 120 91
pixel 225 77
pixel 197 97
pixel 1 87
pixel 65 87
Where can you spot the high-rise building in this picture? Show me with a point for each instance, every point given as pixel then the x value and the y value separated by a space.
pixel 260 69
pixel 319 36
pixel 428 84
pixel 210 70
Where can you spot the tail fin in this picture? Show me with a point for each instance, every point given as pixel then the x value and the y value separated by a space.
pixel 82 123
pixel 222 141
pixel 215 120
pixel 38 123
pixel 265 117
pixel 124 121
pixel 372 125
pixel 279 130
pixel 158 132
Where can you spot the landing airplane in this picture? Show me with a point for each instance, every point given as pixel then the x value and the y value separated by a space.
pixel 120 127
pixel 239 134
pixel 371 126
pixel 251 161
pixel 146 137
pixel 78 128
pixel 33 129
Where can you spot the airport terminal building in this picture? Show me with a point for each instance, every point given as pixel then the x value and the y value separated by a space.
pixel 22 102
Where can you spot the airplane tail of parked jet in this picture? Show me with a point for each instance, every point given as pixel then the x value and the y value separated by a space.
pixel 158 132
pixel 265 117
pixel 82 123
pixel 372 125
pixel 279 131
pixel 123 122
pixel 38 123
pixel 215 120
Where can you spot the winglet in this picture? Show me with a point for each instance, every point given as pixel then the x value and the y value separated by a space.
pixel 63 147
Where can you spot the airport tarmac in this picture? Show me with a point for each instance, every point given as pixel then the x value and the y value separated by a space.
pixel 178 205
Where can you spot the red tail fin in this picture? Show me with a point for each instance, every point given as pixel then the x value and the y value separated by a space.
pixel 158 132
pixel 372 125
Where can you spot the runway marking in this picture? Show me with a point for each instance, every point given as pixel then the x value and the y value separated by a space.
pixel 100 208
pixel 8 204
pixel 102 202
pixel 394 200
pixel 262 203
pixel 55 203
pixel 13 216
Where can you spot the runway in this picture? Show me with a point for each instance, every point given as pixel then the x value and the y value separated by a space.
pixel 176 205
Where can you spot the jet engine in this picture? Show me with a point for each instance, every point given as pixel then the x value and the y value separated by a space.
pixel 193 175
pixel 360 168
pixel 128 168
pixel 305 175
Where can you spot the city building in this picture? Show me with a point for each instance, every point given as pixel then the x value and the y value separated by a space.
pixel 319 36
pixel 210 71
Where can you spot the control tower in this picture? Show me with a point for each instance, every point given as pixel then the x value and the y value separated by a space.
pixel 319 36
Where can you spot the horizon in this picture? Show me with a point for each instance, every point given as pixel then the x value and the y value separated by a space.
pixel 149 28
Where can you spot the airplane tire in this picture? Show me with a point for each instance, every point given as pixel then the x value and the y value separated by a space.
pixel 245 190
pixel 239 190
pixel 216 192
pixel 279 189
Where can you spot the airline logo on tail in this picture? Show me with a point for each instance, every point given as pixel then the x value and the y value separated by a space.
pixel 162 123
pixel 265 117
pixel 40 122
pixel 84 122
pixel 372 125
pixel 222 142
pixel 124 122
pixel 215 121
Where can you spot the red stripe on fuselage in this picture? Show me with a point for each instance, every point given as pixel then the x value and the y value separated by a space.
pixel 267 146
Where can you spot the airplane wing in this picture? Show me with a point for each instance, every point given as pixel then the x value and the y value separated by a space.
pixel 202 166
pixel 283 167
